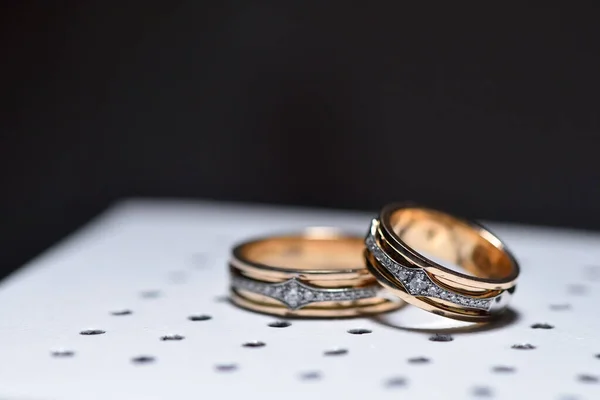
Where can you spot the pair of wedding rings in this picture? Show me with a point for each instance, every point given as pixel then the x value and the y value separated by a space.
pixel 410 254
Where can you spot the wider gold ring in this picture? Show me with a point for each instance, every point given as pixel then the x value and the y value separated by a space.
pixel 407 245
pixel 317 273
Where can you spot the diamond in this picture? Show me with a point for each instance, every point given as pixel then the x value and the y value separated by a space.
pixel 433 290
pixel 291 296
pixel 269 290
pixel 418 283
pixel 402 273
pixel 308 295
pixel 337 296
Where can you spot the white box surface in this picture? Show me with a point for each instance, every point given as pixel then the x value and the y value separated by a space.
pixel 166 260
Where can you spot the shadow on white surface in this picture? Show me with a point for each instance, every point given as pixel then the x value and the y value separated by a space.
pixel 413 319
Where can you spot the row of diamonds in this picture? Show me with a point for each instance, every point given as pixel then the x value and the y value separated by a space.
pixel 418 283
pixel 295 294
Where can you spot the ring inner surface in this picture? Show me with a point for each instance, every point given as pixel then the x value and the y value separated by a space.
pixel 450 242
pixel 306 253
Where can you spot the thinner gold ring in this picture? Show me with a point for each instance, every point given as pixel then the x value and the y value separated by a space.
pixel 414 252
pixel 319 272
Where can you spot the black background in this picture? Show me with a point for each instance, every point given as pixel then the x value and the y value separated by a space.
pixel 487 112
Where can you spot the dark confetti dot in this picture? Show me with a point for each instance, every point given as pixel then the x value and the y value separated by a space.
pixel 586 378
pixel 503 369
pixel 569 397
pixel 523 346
pixel 178 277
pixel 336 352
pixel 62 353
pixel 359 331
pixel 143 360
pixel 92 332
pixel 396 382
pixel 577 289
pixel 542 326
pixel 199 317
pixel 441 338
pixel 310 376
pixel 482 391
pixel 121 312
pixel 172 337
pixel 419 360
pixel 150 294
pixel 226 367
pixel 254 343
pixel 279 324
pixel 560 307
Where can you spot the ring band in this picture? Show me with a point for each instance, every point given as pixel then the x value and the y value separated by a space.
pixel 317 273
pixel 407 245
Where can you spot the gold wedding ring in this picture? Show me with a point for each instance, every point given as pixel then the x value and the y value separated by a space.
pixel 412 251
pixel 319 272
